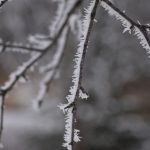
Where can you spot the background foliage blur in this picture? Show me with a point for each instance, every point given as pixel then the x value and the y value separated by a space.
pixel 116 75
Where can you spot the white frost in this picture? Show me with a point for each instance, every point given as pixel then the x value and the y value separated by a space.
pixel 75 80
pixel 59 13
pixel 37 41
pixel 127 26
pixel 68 129
pixel 18 73
pixel 22 80
pixel 76 135
pixel 142 39
pixel 51 69
pixel 83 95
pixel 125 23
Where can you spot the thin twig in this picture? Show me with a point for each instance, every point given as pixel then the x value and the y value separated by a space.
pixel 7 46
pixel 92 17
pixel 2 2
pixel 71 134
pixel 125 15
pixel 51 69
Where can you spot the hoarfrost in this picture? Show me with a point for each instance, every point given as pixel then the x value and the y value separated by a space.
pixel 19 72
pixel 51 68
pixel 73 92
pixel 142 39
pixel 125 23
pixel 83 95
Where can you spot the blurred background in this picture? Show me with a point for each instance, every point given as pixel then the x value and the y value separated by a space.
pixel 116 76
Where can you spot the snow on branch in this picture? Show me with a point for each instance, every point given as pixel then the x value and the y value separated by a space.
pixel 51 69
pixel 141 31
pixel 14 77
pixel 71 134
pixel 35 56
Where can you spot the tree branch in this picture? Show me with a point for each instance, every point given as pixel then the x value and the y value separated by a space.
pixel 6 47
pixel 71 134
pixel 141 31
pixel 51 69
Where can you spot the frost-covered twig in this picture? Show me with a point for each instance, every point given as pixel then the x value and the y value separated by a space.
pixel 51 69
pixel 15 76
pixel 36 39
pixel 141 31
pixel 2 2
pixel 17 47
pixel 71 134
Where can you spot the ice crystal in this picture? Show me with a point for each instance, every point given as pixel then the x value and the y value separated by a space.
pixel 83 95
pixel 51 69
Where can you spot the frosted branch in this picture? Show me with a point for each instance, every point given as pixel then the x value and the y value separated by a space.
pixel 141 31
pixel 17 47
pixel 70 107
pixel 51 69
pixel 83 94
